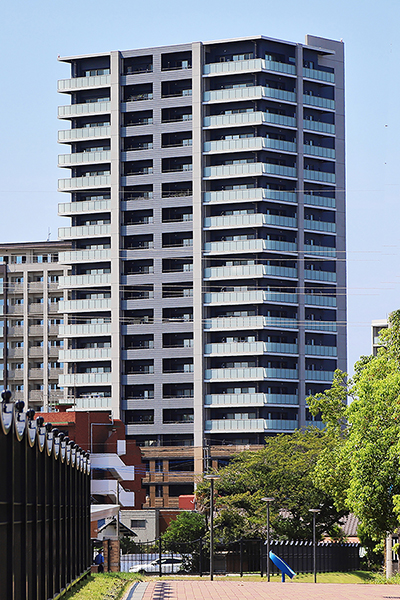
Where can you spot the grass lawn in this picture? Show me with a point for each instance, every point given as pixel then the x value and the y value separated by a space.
pixel 102 586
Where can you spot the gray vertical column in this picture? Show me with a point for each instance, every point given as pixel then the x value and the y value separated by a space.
pixel 197 92
pixel 300 236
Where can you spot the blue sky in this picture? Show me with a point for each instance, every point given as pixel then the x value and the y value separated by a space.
pixel 32 34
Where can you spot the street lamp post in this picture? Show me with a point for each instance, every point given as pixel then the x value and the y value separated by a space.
pixel 268 501
pixel 314 512
pixel 211 478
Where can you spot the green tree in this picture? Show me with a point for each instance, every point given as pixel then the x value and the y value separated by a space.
pixel 186 528
pixel 361 471
pixel 284 470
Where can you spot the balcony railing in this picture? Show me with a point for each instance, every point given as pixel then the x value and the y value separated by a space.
pixel 320 250
pixel 311 175
pixel 320 326
pixel 250 92
pixel 83 231
pixel 318 75
pixel 254 194
pixel 250 425
pixel 318 300
pixel 84 158
pixel 89 108
pixel 72 208
pixel 251 143
pixel 248 246
pixel 235 272
pixel 78 83
pixel 74 379
pixel 312 225
pixel 250 297
pixel 83 133
pixel 76 183
pixel 319 275
pixel 84 256
pixel 85 354
pixel 84 280
pixel 250 399
pixel 240 170
pixel 319 151
pixel 255 64
pixel 310 100
pixel 248 220
pixel 249 118
pixel 320 126
pixel 232 348
pixel 312 350
pixel 256 322
pixel 87 329
pixel 319 375
pixel 66 306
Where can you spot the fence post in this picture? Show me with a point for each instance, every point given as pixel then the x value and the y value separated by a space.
pixel 201 557
pixel 241 557
pixel 262 558
pixel 159 557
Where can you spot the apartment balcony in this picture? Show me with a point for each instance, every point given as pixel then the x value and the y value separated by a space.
pixel 321 201
pixel 35 351
pixel 249 118
pixel 319 126
pixel 310 100
pixel 256 322
pixel 84 133
pixel 73 208
pixel 84 158
pixel 240 170
pixel 250 425
pixel 243 246
pixel 18 374
pixel 36 308
pixel 260 400
pixel 13 331
pixel 330 326
pixel 318 75
pixel 319 300
pixel 252 348
pixel 312 350
pixel 72 281
pixel 15 309
pixel 320 151
pixel 69 306
pixel 36 330
pixel 81 83
pixel 325 226
pixel 251 194
pixel 254 92
pixel 84 231
pixel 319 375
pixel 249 297
pixel 80 256
pixel 255 64
pixel 249 220
pixel 311 175
pixel 55 373
pixel 319 250
pixel 88 108
pixel 251 143
pixel 84 330
pixel 314 275
pixel 77 183
pixel 53 308
pixel 84 354
pixel 75 379
pixel 244 271
pixel 36 373
pixel 15 352
pixel 87 402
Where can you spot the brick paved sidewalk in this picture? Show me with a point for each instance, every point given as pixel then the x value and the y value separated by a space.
pixel 234 590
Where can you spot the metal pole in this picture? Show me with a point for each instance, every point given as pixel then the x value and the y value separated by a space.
pixel 212 531
pixel 314 550
pixel 268 569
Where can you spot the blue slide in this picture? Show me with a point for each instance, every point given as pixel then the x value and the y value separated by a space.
pixel 282 566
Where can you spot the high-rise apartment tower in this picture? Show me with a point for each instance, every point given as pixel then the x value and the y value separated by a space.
pixel 208 291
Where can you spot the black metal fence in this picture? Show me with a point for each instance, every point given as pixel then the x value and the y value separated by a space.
pixel 243 556
pixel 44 507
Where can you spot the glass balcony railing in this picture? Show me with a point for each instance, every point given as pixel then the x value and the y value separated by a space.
pixel 70 281
pixel 250 399
pixel 249 118
pixel 311 175
pixel 253 374
pixel 285 399
pixel 67 306
pixel 319 151
pixel 279 67
pixel 84 256
pixel 250 92
pixel 89 108
pixel 324 201
pixel 256 322
pixel 250 297
pixel 318 75
pixel 235 272
pixel 312 225
pixel 235 425
pixel 84 231
pixel 84 133
pixel 255 64
pixel 84 158
pixel 72 208
pixel 320 326
pixel 248 246
pixel 320 126
pixel 84 354
pixel 319 375
pixel 249 169
pixel 255 194
pixel 319 275
pixel 78 83
pixel 249 220
pixel 77 183
pixel 249 348
pixel 251 143
pixel 87 329
pixel 310 100
pixel 320 350
pixel 318 300
pixel 319 250
pixel 75 379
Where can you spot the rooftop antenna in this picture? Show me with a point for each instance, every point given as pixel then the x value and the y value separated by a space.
pixel 48 235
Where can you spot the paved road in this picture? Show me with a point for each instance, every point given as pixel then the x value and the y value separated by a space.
pixel 234 590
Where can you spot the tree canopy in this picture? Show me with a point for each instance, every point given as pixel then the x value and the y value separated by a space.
pixel 283 469
pixel 187 527
pixel 361 469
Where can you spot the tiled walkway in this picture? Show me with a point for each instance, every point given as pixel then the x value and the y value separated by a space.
pixel 234 590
